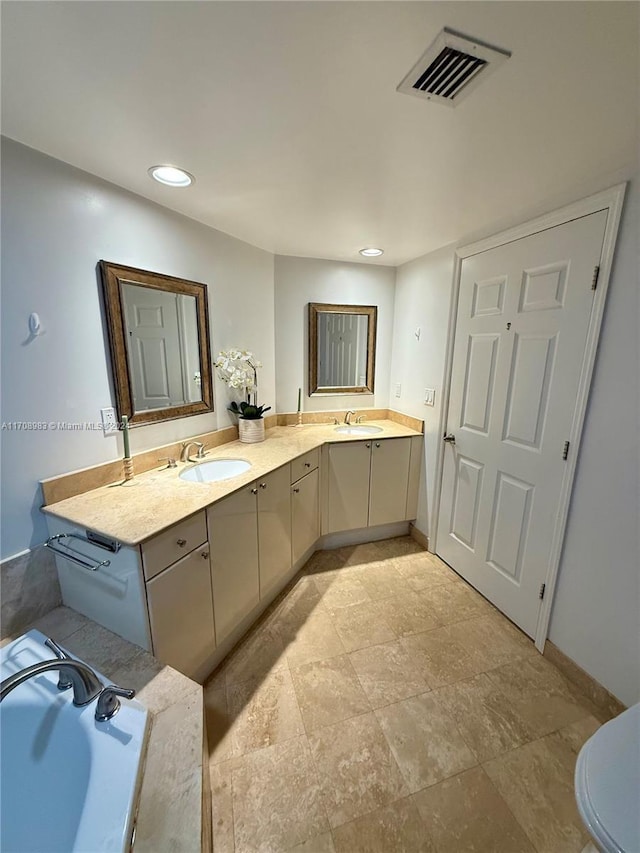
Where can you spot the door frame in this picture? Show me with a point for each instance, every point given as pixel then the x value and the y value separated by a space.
pixel 610 200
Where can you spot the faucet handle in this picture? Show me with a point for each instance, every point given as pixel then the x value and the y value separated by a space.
pixel 108 703
pixel 202 451
pixel 64 682
pixel 171 462
pixel 360 418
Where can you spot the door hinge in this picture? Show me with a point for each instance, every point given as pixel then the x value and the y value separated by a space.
pixel 565 451
pixel 594 280
pixel 543 586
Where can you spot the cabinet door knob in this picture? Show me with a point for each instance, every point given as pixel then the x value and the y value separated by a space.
pixel 205 555
pixel 181 542
pixel 296 490
pixel 377 444
pixel 368 444
pixel 263 485
pixel 254 491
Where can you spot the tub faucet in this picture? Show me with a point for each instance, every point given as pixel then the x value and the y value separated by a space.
pixel 347 417
pixel 186 450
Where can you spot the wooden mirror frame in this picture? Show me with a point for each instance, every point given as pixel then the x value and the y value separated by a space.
pixel 371 312
pixel 113 275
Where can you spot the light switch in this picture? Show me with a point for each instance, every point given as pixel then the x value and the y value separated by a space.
pixel 398 389
pixel 430 396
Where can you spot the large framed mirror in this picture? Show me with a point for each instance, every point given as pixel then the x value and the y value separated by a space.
pixel 159 340
pixel 342 348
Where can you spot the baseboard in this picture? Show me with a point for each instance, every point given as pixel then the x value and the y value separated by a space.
pixel 419 536
pixel 331 541
pixel 606 702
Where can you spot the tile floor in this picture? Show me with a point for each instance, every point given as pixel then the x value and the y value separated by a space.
pixel 381 704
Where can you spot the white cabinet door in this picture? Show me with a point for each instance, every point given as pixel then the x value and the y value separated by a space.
pixel 233 537
pixel 348 475
pixel 389 480
pixel 305 520
pixel 181 613
pixel 274 527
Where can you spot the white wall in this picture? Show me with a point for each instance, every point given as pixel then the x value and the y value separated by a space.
pixel 423 297
pixel 299 281
pixel 57 223
pixel 596 612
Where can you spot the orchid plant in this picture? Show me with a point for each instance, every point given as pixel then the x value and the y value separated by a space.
pixel 239 369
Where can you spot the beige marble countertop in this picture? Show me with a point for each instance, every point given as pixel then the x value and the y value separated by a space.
pixel 169 815
pixel 158 499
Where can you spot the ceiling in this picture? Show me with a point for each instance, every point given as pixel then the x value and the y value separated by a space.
pixel 287 112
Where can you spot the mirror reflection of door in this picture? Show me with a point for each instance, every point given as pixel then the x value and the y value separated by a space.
pixel 162 346
pixel 342 350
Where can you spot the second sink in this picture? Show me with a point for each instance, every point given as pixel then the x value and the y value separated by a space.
pixel 215 470
pixel 358 429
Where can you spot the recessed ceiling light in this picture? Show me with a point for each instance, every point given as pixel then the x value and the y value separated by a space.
pixel 371 253
pixel 171 176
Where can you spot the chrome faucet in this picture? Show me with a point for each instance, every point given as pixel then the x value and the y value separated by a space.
pixel 186 449
pixel 73 673
pixel 347 417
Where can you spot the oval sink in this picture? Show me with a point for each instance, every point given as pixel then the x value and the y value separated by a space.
pixel 358 429
pixel 216 469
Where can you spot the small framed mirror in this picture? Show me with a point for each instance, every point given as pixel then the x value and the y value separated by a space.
pixel 342 348
pixel 159 341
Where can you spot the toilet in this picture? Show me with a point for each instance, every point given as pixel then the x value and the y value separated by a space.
pixel 607 785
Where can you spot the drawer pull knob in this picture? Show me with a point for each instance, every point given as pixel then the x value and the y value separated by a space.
pixel 263 485
pixel 254 491
pixel 181 543
pixel 296 490
pixel 307 464
pixel 205 555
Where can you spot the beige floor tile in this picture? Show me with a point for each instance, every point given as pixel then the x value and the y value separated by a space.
pixel 484 716
pixel 361 555
pixel 442 661
pixel 399 546
pixel 315 639
pixel 343 593
pixel 222 807
pixel 536 781
pixel 465 814
pixel 363 625
pixel 318 844
pixel 455 602
pixel 219 723
pixel 424 570
pixel 357 770
pixel 489 642
pixel 328 691
pixel 538 694
pixel 388 673
pixel 260 653
pixel 263 712
pixel 408 613
pixel 381 580
pixel 394 828
pixel 289 613
pixel 276 798
pixel 425 741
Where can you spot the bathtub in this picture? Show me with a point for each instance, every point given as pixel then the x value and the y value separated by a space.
pixel 67 782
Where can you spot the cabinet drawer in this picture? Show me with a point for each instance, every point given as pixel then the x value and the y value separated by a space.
pixel 303 464
pixel 174 543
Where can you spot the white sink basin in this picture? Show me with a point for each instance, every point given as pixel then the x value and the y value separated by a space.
pixel 216 469
pixel 358 429
pixel 68 783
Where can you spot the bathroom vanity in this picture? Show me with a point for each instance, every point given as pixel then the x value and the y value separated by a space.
pixel 193 564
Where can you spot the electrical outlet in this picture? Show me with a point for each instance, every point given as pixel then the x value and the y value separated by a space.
pixel 109 421
pixel 398 389
pixel 430 396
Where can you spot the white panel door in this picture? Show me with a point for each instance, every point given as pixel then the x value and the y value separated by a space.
pixel 153 345
pixel 523 316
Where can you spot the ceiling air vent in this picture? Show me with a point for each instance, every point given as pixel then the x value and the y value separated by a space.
pixel 451 68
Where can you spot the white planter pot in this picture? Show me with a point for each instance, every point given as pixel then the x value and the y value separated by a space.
pixel 251 431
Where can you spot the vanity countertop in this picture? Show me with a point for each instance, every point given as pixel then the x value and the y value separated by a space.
pixel 157 499
pixel 169 814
